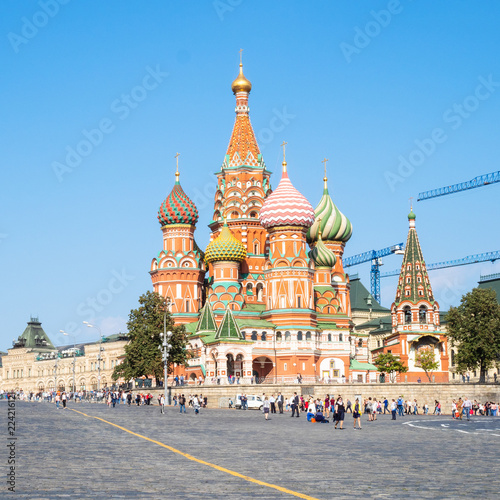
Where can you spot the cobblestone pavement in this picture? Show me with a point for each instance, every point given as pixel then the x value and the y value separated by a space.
pixel 63 454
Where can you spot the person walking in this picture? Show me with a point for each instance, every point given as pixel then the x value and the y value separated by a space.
pixel 400 403
pixel 295 405
pixel 327 406
pixel 339 413
pixel 162 403
pixel 265 406
pixel 467 408
pixel 182 403
pixel 356 414
pixel 58 399
pixel 386 405
pixel 460 408
pixel 64 400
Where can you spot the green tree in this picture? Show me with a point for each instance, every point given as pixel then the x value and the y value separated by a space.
pixel 426 359
pixel 390 364
pixel 474 328
pixel 142 353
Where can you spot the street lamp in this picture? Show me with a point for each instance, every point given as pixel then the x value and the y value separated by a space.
pixel 55 371
pixel 99 355
pixel 165 352
pixel 74 359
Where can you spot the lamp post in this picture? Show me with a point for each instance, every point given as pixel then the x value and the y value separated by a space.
pixel 165 351
pixel 74 359
pixel 55 372
pixel 99 355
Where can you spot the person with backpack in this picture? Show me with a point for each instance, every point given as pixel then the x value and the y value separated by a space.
pixel 182 403
pixel 400 406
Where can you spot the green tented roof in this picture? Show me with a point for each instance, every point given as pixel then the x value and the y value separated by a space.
pixel 377 325
pixel 206 322
pixel 34 337
pixel 357 365
pixel 229 329
pixel 359 296
pixel 191 327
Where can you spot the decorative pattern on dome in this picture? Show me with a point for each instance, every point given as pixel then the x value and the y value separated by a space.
pixel 322 256
pixel 178 208
pixel 286 206
pixel 225 248
pixel 334 225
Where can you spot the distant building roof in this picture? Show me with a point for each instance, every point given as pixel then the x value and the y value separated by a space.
pixel 361 298
pixel 377 325
pixel 491 281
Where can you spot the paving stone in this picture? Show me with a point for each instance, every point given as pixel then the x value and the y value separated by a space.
pixel 62 454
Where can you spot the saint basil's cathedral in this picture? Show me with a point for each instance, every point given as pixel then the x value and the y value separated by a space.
pixel 269 299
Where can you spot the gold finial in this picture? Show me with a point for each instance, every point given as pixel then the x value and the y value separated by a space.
pixel 320 233
pixel 177 167
pixel 283 144
pixel 241 84
pixel 411 203
pixel 325 178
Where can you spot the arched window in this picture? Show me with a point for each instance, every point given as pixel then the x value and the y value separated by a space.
pixel 329 337
pixel 259 289
pixel 360 343
pixel 407 314
pixel 308 335
pixel 254 335
pixel 340 337
pixel 287 336
pixel 253 215
pixel 422 314
pixel 278 336
pixel 263 336
pixel 299 336
pixel 249 289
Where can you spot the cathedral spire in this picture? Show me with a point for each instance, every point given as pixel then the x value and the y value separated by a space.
pixel 243 149
pixel 414 284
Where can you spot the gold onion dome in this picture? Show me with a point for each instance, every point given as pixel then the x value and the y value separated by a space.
pixel 322 255
pixel 241 84
pixel 225 248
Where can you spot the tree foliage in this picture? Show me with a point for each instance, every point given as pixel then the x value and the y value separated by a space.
pixel 390 364
pixel 474 328
pixel 426 359
pixel 142 353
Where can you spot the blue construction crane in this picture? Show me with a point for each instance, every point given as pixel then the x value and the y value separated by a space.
pixel 470 259
pixel 376 257
pixel 481 180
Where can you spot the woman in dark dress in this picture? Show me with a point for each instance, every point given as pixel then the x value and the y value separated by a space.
pixel 339 413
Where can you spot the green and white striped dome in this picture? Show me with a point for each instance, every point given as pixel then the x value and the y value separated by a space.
pixel 322 256
pixel 334 225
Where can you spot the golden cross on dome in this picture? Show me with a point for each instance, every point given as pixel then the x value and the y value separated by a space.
pixel 411 202
pixel 283 144
pixel 241 57
pixel 177 166
pixel 324 163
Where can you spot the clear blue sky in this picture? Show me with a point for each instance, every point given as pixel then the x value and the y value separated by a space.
pixel 319 82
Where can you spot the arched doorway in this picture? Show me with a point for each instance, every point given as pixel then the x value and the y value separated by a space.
pixel 261 369
pixel 230 365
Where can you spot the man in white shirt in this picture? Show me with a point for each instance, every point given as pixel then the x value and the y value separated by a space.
pixel 467 406
pixel 162 403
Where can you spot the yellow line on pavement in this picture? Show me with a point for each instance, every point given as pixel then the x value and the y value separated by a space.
pixel 194 459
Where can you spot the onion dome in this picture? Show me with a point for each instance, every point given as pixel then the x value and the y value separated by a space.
pixel 177 208
pixel 286 206
pixel 241 84
pixel 411 215
pixel 322 255
pixel 334 225
pixel 225 248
